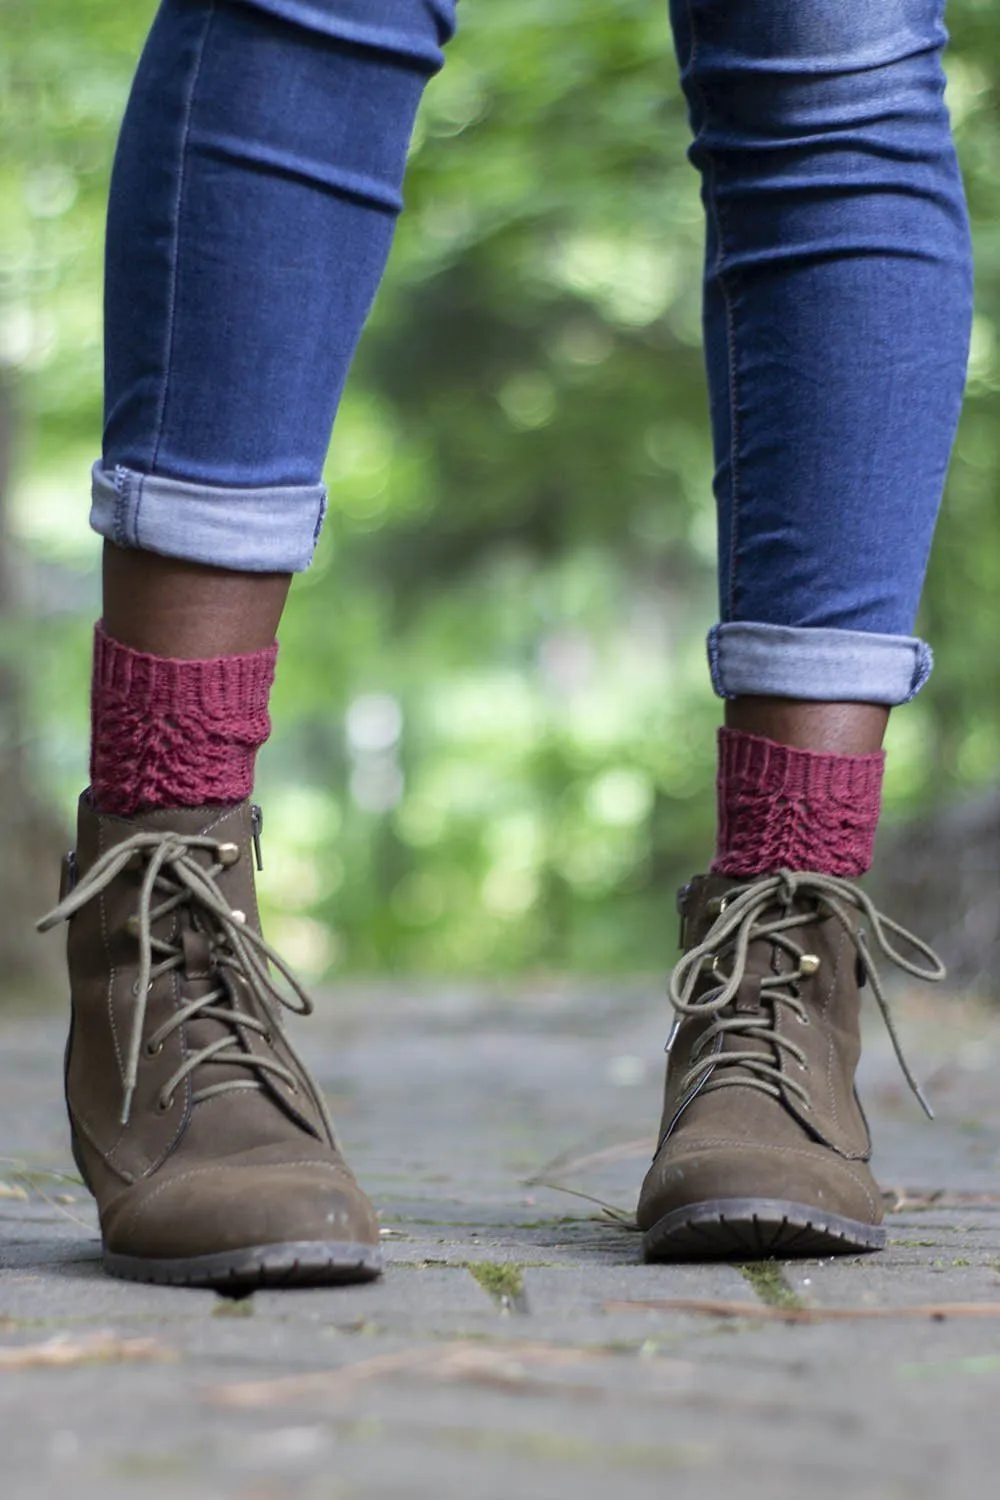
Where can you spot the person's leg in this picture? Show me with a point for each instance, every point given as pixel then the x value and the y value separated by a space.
pixel 837 311
pixel 255 191
pixel 254 194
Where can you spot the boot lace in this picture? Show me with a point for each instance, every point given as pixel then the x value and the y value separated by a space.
pixel 239 957
pixel 772 909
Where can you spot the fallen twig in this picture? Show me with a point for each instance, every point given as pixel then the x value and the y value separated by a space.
pixel 609 1211
pixel 505 1364
pixel 898 1200
pixel 625 1151
pixel 937 1312
pixel 95 1348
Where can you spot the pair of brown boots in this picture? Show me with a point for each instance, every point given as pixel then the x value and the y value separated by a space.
pixel 212 1155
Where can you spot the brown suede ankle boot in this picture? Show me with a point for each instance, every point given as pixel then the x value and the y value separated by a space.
pixel 194 1123
pixel 763 1147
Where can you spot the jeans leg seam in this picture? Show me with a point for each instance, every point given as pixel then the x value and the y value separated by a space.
pixel 168 351
pixel 734 438
pixel 727 299
pixel 121 502
pixel 140 494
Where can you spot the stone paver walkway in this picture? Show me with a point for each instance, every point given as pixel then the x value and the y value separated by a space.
pixel 517 1346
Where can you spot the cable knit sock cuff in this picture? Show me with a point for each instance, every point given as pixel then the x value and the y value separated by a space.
pixel 170 733
pixel 786 809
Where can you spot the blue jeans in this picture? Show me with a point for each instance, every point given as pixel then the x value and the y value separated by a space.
pixel 249 227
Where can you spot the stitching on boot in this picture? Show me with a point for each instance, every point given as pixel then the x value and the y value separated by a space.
pixel 830 1049
pixel 79 1123
pixel 102 1151
pixel 822 1154
pixel 132 1218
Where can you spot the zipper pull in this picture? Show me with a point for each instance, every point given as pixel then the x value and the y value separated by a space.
pixel 682 901
pixel 67 875
pixel 256 828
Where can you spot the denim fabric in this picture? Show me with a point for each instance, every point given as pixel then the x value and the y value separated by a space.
pixel 834 666
pixel 254 195
pixel 271 530
pixel 837 313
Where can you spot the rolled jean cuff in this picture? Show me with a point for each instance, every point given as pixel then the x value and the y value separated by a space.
pixel 829 666
pixel 271 530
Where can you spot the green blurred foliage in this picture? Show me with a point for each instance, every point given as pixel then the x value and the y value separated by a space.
pixel 494 740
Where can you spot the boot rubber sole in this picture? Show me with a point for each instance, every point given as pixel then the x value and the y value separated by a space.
pixel 298 1263
pixel 755 1229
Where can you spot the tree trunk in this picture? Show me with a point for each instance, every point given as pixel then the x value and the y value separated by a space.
pixel 31 834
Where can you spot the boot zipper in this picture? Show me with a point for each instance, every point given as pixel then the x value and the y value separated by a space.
pixel 67 874
pixel 682 900
pixel 257 827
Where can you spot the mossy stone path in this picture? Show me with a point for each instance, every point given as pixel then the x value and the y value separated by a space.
pixel 517 1345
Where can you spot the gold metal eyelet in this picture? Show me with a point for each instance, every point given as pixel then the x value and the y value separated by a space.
pixel 802 1018
pixel 153 1049
pixel 132 926
pixel 717 905
pixel 228 854
pixel 809 964
pixel 164 1105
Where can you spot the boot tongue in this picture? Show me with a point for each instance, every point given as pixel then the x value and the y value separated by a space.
pixel 750 1005
pixel 201 977
pixel 200 974
pixel 197 952
pixel 763 960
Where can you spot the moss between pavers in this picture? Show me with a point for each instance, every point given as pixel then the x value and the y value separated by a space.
pixel 768 1281
pixel 501 1280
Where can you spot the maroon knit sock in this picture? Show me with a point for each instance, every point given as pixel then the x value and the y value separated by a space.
pixel 785 809
pixel 172 733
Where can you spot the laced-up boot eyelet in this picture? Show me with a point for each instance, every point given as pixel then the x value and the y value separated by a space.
pixel 168 966
pixel 749 1162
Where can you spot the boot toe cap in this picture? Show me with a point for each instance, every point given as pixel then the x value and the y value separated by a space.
pixel 235 1204
pixel 807 1174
